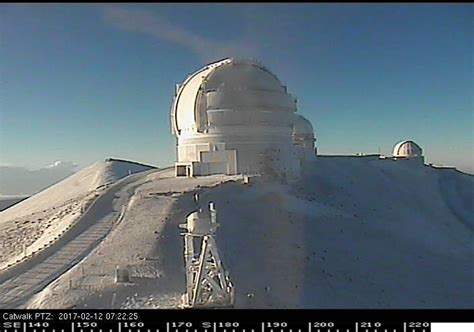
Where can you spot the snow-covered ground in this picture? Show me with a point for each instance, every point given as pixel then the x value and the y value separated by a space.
pixel 145 240
pixel 354 233
pixel 32 224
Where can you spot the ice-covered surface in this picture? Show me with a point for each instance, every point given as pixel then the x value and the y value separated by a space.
pixel 33 223
pixel 354 233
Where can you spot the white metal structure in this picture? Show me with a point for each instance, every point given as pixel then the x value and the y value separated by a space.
pixel 407 149
pixel 234 116
pixel 207 283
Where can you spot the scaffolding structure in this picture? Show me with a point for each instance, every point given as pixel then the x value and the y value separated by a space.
pixel 207 282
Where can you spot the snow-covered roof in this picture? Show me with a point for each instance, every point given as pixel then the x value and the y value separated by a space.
pixel 230 75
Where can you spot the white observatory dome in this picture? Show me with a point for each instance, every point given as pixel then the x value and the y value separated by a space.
pixel 233 116
pixel 407 149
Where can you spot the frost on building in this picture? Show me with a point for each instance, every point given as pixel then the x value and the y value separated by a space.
pixel 234 116
pixel 303 139
pixel 408 150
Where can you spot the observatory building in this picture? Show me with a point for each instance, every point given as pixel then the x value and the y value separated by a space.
pixel 407 150
pixel 234 116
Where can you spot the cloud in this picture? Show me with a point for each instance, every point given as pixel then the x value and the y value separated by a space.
pixel 142 21
pixel 15 180
pixel 62 164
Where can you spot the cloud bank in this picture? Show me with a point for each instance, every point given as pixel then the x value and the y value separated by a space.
pixel 16 180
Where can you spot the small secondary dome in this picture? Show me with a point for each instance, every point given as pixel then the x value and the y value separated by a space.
pixel 407 149
pixel 303 138
pixel 302 126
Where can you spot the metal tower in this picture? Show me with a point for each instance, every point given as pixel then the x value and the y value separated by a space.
pixel 207 283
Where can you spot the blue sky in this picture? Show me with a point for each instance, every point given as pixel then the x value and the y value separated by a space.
pixel 85 82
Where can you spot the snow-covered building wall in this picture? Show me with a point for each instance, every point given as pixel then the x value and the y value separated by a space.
pixel 235 116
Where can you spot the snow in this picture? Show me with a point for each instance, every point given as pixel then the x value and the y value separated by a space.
pixel 42 218
pixel 354 233
pixel 132 243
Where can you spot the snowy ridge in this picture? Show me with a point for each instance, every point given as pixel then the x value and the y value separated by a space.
pixel 77 185
pixel 38 221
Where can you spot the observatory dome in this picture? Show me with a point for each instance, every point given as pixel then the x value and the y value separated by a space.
pixel 303 138
pixel 233 116
pixel 302 126
pixel 407 149
pixel 230 92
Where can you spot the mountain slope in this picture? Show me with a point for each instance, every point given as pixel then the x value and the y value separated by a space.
pixel 77 185
pixel 34 222
pixel 354 233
